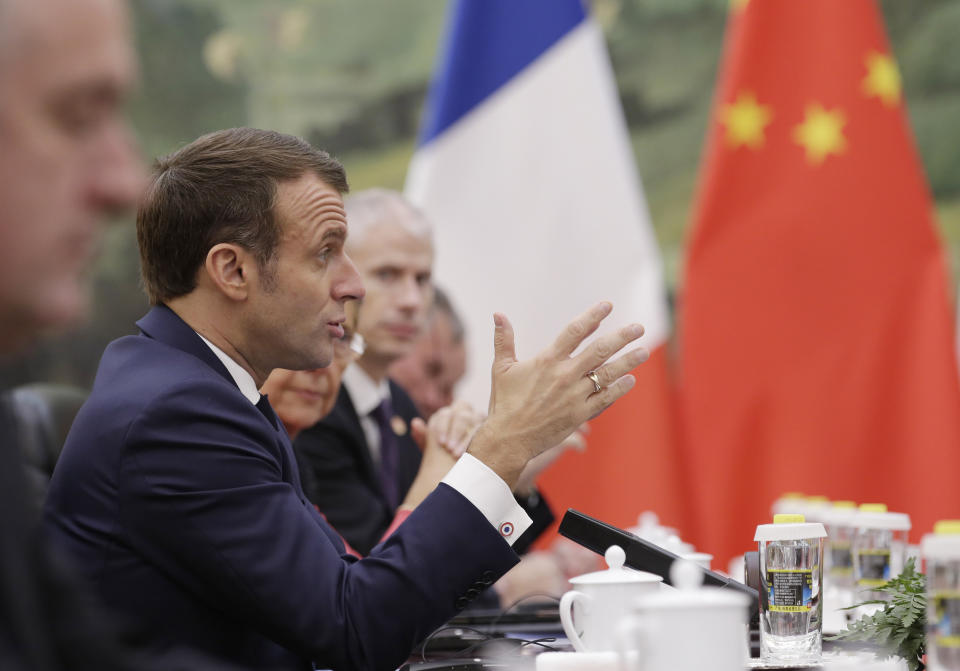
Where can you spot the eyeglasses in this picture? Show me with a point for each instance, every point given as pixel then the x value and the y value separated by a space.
pixel 351 345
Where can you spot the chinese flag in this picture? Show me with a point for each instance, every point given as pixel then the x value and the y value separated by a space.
pixel 817 335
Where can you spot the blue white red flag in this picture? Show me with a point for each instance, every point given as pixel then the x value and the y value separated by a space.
pixel 526 169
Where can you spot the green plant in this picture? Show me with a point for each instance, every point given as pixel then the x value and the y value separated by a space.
pixel 897 629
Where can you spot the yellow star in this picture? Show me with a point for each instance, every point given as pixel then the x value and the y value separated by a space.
pixel 883 78
pixel 745 120
pixel 821 133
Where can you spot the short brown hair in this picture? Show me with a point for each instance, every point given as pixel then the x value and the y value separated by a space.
pixel 219 188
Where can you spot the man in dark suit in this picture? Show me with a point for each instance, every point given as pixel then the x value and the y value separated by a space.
pixel 178 492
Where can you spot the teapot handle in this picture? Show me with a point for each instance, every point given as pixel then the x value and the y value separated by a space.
pixel 566 617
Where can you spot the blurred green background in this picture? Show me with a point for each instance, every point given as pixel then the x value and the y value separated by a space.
pixel 351 76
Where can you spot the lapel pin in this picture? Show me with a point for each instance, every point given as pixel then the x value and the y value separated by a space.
pixel 398 425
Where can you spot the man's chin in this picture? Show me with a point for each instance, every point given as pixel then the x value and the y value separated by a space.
pixel 316 360
pixel 44 315
pixel 64 309
pixel 395 348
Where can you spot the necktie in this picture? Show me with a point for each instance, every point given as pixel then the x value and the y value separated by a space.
pixel 383 413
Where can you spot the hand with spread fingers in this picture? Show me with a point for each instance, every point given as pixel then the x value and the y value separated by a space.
pixel 535 404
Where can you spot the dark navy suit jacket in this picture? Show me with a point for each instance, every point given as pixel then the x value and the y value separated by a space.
pixel 182 502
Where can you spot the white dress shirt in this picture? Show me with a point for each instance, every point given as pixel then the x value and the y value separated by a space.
pixel 469 476
pixel 366 395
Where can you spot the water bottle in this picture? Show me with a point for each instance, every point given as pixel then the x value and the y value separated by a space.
pixel 791 610
pixel 941 551
pixel 879 551
pixel 840 522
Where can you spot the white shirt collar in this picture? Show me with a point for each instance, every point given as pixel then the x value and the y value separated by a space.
pixel 364 392
pixel 243 379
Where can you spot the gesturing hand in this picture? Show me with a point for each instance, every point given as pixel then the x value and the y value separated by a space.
pixel 535 404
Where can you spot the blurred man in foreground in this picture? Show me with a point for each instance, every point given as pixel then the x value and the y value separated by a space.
pixel 66 164
pixel 66 160
pixel 178 490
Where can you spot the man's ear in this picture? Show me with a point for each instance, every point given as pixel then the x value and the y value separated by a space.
pixel 231 269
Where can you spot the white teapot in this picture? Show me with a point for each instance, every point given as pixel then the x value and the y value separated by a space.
pixel 686 629
pixel 600 600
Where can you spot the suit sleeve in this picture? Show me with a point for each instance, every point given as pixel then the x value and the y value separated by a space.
pixel 541 515
pixel 203 497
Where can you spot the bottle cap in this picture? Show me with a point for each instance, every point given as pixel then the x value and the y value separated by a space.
pixel 841 514
pixel 791 529
pixel 873 507
pixel 789 502
pixel 944 542
pixel 876 516
pixel 947 527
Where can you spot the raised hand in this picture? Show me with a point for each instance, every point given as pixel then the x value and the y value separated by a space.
pixel 535 404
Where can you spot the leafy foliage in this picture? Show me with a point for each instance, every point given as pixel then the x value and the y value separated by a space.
pixel 898 629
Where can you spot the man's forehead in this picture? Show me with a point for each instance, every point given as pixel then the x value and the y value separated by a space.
pixel 392 243
pixel 68 42
pixel 310 201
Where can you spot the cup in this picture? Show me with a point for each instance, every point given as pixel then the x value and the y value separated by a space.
pixel 690 628
pixel 941 550
pixel 791 611
pixel 838 586
pixel 592 610
pixel 879 551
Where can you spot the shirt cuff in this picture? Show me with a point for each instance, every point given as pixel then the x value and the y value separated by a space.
pixel 490 494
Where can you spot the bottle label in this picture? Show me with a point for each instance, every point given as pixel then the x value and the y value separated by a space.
pixel 790 590
pixel 946 625
pixel 841 559
pixel 874 567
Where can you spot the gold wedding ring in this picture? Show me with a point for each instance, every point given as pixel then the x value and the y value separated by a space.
pixel 595 379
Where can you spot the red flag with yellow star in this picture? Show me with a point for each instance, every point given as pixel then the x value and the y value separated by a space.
pixel 817 334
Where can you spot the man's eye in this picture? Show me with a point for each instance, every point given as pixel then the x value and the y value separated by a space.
pixel 386 274
pixel 79 119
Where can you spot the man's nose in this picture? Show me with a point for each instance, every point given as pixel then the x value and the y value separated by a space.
pixel 411 293
pixel 348 285
pixel 117 176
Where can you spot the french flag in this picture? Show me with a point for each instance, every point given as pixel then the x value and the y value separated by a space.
pixel 526 170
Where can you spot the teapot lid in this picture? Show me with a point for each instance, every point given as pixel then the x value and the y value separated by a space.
pixel 690 592
pixel 617 573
